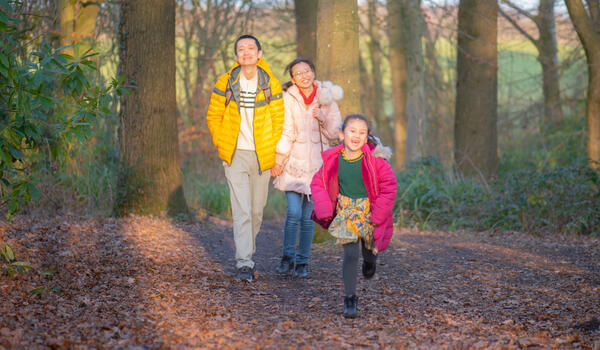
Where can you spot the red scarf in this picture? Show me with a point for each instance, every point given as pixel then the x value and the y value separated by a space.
pixel 308 100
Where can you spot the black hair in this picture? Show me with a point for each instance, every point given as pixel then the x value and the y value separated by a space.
pixel 370 138
pixel 246 36
pixel 291 65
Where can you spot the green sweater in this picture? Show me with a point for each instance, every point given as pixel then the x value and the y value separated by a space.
pixel 350 178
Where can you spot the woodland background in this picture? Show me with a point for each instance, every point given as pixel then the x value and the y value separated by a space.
pixel 490 107
pixel 492 110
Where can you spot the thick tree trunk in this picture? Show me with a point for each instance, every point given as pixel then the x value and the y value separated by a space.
pixel 384 129
pixel 305 12
pixel 588 30
pixel 337 49
pixel 475 127
pixel 548 58
pixel 412 33
pixel 150 180
pixel 398 68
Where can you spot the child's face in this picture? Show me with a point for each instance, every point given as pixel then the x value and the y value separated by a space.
pixel 354 135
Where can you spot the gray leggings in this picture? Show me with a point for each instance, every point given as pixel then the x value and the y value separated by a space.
pixel 350 265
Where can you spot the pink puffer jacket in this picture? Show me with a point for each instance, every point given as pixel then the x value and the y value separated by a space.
pixel 380 183
pixel 298 150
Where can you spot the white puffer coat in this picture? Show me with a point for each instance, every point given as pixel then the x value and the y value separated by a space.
pixel 298 150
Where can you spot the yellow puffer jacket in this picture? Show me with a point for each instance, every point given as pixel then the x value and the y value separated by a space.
pixel 224 121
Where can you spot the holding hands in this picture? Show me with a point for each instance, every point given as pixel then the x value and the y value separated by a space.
pixel 276 170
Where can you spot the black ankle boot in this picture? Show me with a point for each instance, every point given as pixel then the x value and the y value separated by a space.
pixel 368 269
pixel 350 304
pixel 301 271
pixel 285 266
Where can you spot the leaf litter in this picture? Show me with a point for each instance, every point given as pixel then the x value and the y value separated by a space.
pixel 154 283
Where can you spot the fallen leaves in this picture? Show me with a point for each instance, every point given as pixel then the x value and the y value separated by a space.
pixel 150 283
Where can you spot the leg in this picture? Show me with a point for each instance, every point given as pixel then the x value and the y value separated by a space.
pixel 306 231
pixel 349 275
pixel 290 231
pixel 349 267
pixel 259 190
pixel 238 179
pixel 369 261
pixel 293 217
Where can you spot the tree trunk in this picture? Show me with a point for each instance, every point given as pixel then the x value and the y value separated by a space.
pixel 384 129
pixel 439 104
pixel 588 30
pixel 305 12
pixel 398 68
pixel 548 58
pixel 77 21
pixel 412 31
pixel 150 178
pixel 475 126
pixel 337 49
pixel 366 89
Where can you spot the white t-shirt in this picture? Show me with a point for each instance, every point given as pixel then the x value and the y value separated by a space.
pixel 249 90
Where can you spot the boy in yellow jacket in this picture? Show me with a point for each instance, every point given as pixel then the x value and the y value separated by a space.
pixel 245 118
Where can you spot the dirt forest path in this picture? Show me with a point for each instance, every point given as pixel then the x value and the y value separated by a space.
pixel 149 283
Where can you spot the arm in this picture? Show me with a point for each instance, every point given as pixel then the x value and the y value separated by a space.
pixel 332 121
pixel 383 205
pixel 216 108
pixel 288 135
pixel 276 108
pixel 323 209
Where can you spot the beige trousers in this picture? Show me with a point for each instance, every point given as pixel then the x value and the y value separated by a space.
pixel 248 192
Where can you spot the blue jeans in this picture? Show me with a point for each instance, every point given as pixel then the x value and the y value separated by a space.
pixel 299 207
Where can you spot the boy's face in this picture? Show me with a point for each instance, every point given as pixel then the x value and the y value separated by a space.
pixel 247 52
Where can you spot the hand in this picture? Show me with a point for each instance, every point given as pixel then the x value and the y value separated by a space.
pixel 318 114
pixel 276 170
pixel 375 251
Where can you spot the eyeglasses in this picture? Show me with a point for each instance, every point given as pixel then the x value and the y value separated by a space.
pixel 299 74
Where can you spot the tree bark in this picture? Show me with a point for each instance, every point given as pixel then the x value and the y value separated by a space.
pixel 305 12
pixel 150 178
pixel 337 49
pixel 398 68
pixel 548 58
pixel 475 129
pixel 439 104
pixel 384 128
pixel 412 33
pixel 588 30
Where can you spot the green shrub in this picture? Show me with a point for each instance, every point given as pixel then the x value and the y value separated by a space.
pixel 47 101
pixel 558 199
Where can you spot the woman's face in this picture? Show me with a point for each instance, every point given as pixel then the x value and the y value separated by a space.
pixel 302 75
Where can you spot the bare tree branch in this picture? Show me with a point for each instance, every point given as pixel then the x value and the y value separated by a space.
pixel 519 28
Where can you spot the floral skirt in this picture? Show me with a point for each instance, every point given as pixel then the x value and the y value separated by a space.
pixel 352 221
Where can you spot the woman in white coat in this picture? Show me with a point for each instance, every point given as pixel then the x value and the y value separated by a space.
pixel 307 130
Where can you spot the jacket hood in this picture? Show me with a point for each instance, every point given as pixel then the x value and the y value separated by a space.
pixel 261 64
pixel 379 151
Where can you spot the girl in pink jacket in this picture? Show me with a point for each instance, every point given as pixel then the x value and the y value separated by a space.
pixel 353 196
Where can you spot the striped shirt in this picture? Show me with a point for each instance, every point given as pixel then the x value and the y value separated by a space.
pixel 249 90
